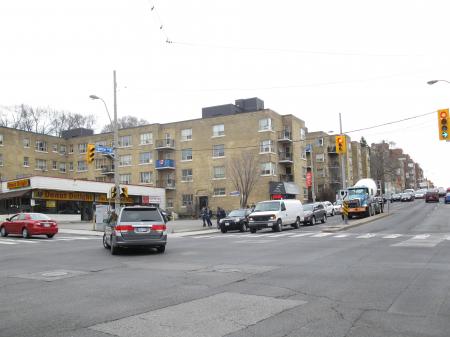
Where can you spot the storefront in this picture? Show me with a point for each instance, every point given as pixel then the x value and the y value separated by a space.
pixel 283 190
pixel 69 196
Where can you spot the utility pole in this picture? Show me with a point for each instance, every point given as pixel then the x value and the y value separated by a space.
pixel 344 185
pixel 312 176
pixel 116 152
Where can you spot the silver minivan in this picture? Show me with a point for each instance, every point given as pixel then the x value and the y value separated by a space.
pixel 136 226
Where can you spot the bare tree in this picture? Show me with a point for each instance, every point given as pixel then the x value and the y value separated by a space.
pixel 243 170
pixel 382 166
pixel 125 122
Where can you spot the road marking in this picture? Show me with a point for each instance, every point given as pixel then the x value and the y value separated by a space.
pixel 421 240
pixel 366 236
pixel 392 236
pixel 321 235
pixel 301 234
pixel 278 235
pixel 447 238
pixel 7 243
pixel 254 241
pixel 341 236
pixel 421 237
pixel 19 240
pixel 202 236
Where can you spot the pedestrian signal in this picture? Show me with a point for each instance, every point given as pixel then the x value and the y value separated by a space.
pixel 90 153
pixel 443 117
pixel 124 192
pixel 341 144
pixel 113 192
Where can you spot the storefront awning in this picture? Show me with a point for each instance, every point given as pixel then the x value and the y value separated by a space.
pixel 14 194
pixel 283 188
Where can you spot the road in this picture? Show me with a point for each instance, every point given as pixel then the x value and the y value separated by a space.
pixel 389 277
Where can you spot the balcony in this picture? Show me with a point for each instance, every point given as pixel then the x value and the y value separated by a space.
pixel 285 158
pixel 165 144
pixel 285 136
pixel 165 164
pixel 286 177
pixel 167 183
pixel 108 170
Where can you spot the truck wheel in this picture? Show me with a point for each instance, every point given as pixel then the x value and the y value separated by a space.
pixel 313 221
pixel 296 224
pixel 223 230
pixel 252 230
pixel 324 219
pixel 279 226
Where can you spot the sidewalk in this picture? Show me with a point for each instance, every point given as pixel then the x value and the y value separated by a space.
pixel 176 226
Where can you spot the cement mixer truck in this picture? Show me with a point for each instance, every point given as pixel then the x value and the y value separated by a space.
pixel 363 199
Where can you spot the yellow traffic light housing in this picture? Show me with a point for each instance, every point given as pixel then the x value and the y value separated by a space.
pixel 341 144
pixel 124 192
pixel 90 153
pixel 113 192
pixel 443 117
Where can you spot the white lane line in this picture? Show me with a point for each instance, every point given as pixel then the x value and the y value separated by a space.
pixel 301 234
pixel 447 238
pixel 7 243
pixel 366 236
pixel 421 237
pixel 392 236
pixel 202 236
pixel 19 240
pixel 341 236
pixel 254 241
pixel 421 240
pixel 278 235
pixel 321 235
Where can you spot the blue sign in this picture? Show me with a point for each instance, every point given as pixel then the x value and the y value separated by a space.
pixel 104 149
pixel 235 193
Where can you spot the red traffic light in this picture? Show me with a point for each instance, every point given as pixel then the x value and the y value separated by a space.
pixel 443 114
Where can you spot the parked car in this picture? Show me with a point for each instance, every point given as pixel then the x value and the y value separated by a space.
pixel 420 194
pixel 337 205
pixel 29 224
pixel 276 214
pixel 447 198
pixel 235 220
pixel 396 197
pixel 441 192
pixel 432 195
pixel 328 207
pixel 136 226
pixel 314 213
pixel 407 196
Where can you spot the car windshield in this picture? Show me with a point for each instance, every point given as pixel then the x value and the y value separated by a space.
pixel 308 207
pixel 137 214
pixel 354 191
pixel 38 216
pixel 267 206
pixel 237 213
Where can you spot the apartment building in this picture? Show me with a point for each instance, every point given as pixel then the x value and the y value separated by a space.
pixel 324 164
pixel 189 159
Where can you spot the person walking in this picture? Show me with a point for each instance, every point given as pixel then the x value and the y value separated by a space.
pixel 220 214
pixel 203 215
pixel 208 214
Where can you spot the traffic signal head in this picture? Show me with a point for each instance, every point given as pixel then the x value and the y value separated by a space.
pixel 443 117
pixel 341 144
pixel 90 153
pixel 124 192
pixel 113 192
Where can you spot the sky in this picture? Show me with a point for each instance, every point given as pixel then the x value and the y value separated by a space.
pixel 367 60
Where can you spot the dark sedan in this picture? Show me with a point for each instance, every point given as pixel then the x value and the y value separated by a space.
pixel 314 213
pixel 236 220
pixel 432 195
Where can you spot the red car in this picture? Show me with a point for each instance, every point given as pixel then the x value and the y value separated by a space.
pixel 432 195
pixel 29 224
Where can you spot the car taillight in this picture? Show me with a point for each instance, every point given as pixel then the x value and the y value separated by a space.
pixel 124 228
pixel 159 228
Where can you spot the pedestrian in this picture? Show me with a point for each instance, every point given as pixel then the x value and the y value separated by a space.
pixel 220 214
pixel 203 215
pixel 208 213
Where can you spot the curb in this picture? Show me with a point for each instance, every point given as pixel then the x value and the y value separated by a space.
pixel 360 222
pixel 79 232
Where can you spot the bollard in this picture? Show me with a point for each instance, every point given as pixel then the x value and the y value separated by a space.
pixel 345 211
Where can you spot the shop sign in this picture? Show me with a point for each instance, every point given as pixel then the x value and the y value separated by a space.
pixel 64 196
pixel 103 198
pixel 18 184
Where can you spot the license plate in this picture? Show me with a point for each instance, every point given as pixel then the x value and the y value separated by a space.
pixel 141 229
pixel 46 225
pixel 227 223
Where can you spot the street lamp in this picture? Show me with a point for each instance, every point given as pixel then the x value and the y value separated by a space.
pixel 435 81
pixel 115 141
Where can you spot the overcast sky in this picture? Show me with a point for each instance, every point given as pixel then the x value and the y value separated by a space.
pixel 368 60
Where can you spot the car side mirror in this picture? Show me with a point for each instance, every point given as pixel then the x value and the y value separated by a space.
pixel 8 219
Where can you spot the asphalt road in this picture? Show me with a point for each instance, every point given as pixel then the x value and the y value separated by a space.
pixel 389 277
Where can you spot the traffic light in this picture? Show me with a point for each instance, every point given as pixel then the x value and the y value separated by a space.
pixel 113 192
pixel 124 192
pixel 341 144
pixel 90 153
pixel 443 117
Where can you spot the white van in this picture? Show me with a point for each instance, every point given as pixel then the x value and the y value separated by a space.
pixel 275 214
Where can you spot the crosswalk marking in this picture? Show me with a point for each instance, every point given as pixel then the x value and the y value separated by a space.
pixel 421 236
pixel 6 242
pixel 278 235
pixel 321 235
pixel 301 234
pixel 366 236
pixel 19 240
pixel 392 236
pixel 341 236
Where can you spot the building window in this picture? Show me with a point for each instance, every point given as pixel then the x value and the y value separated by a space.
pixel 70 166
pixel 1 159
pixel 125 160
pixel 320 157
pixel 304 170
pixel 186 134
pixel 62 149
pixel 26 142
pixel 125 141
pixel 62 167
pixel 82 148
pixel 219 172
pixel 186 175
pixel 169 203
pixel 54 165
pixel 1 140
pixel 55 148
pixel 186 154
pixel 125 178
pixel 145 177
pixel 146 138
pixel 145 158
pixel 70 148
pixel 218 130
pixel 26 161
pixel 320 173
pixel 265 124
pixel 303 154
pixel 267 169
pixel 186 200
pixel 319 141
pixel 302 134
pixel 81 166
pixel 41 164
pixel 41 146
pixel 219 192
pixel 266 146
pixel 218 151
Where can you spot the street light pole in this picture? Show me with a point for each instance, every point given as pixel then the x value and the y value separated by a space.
pixel 116 152
pixel 344 185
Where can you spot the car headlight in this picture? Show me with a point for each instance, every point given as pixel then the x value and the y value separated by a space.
pixel 273 217
pixel 250 219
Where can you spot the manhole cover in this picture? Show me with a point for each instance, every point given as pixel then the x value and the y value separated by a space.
pixel 52 275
